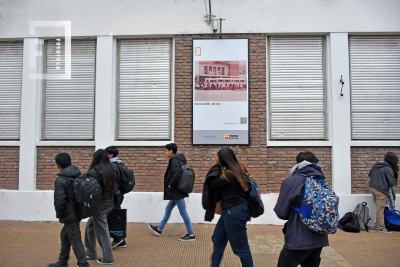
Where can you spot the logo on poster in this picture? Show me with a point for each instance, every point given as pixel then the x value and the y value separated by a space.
pixel 197 51
pixel 231 136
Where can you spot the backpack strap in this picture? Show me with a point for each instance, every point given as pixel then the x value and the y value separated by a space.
pixel 364 204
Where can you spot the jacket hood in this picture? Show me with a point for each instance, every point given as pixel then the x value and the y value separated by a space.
pixel 299 166
pixel 381 164
pixel 70 171
pixel 115 159
pixel 311 170
pixel 181 157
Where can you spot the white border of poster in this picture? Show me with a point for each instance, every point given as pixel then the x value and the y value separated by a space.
pixel 220 92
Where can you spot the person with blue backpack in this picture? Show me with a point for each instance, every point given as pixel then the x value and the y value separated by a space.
pixel 70 235
pixel 302 245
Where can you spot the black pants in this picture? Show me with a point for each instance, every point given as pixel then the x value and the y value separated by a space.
pixel 306 258
pixel 71 236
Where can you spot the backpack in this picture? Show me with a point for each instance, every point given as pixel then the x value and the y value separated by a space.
pixel 255 204
pixel 392 219
pixel 362 213
pixel 349 223
pixel 126 181
pixel 319 210
pixel 186 183
pixel 87 195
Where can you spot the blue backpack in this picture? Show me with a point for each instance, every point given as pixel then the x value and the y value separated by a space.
pixel 319 210
pixel 392 219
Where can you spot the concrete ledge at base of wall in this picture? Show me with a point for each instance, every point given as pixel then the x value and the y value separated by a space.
pixel 149 207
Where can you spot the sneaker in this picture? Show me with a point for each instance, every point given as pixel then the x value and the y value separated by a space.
pixel 57 264
pixel 116 243
pixel 154 229
pixel 120 244
pixel 385 231
pixel 102 262
pixel 187 238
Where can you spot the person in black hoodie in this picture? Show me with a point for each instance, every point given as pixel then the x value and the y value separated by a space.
pixel 302 246
pixel 383 176
pixel 233 186
pixel 63 192
pixel 171 192
pixel 97 226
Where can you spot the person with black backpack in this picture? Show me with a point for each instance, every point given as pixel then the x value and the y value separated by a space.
pixel 173 194
pixel 70 235
pixel 97 226
pixel 302 245
pixel 232 185
pixel 113 152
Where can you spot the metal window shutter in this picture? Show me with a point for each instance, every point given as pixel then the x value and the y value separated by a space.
pixel 69 104
pixel 10 89
pixel 375 87
pixel 144 103
pixel 296 88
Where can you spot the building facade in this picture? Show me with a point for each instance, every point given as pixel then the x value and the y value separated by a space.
pixel 323 76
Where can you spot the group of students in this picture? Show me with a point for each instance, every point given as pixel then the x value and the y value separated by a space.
pixel 226 187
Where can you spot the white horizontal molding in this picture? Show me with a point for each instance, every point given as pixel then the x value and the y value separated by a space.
pixel 66 143
pixel 141 143
pixel 9 143
pixel 299 143
pixel 375 143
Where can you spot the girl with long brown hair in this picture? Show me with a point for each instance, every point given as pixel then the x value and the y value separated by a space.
pixel 232 185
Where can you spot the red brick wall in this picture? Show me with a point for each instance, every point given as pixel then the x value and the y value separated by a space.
pixel 9 167
pixel 46 166
pixel 362 160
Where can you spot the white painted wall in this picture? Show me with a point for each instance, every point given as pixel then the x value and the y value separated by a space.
pixel 165 17
pixel 149 207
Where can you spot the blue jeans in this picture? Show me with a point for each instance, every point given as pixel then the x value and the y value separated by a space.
pixel 182 210
pixel 231 227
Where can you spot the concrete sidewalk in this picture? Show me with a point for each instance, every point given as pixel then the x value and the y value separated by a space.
pixel 38 243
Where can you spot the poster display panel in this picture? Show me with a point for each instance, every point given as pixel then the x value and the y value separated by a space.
pixel 220 92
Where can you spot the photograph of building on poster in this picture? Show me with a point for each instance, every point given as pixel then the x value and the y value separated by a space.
pixel 220 81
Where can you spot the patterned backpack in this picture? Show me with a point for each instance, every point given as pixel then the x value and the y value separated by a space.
pixel 319 210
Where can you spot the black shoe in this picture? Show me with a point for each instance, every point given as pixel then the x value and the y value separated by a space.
pixel 116 243
pixel 57 264
pixel 154 229
pixel 119 244
pixel 187 238
pixel 101 262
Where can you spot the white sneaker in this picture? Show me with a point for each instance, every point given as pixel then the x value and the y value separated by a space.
pixel 385 231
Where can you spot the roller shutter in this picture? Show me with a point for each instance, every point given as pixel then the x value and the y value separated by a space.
pixel 296 100
pixel 10 89
pixel 375 87
pixel 144 104
pixel 69 104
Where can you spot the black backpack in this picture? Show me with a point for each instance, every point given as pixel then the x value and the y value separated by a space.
pixel 186 183
pixel 255 204
pixel 87 196
pixel 349 223
pixel 126 181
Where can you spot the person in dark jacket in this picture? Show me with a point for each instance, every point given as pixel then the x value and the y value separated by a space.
pixel 302 246
pixel 97 226
pixel 233 186
pixel 63 192
pixel 171 193
pixel 383 176
pixel 115 161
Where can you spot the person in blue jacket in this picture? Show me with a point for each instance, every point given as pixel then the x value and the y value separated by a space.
pixel 302 246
